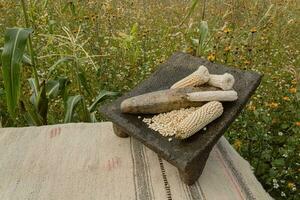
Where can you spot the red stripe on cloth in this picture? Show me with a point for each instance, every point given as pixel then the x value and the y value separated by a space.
pixel 229 175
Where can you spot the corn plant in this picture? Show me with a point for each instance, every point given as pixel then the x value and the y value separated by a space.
pixel 75 54
pixel 201 43
pixel 35 110
pixel 13 57
pixel 15 43
pixel 192 9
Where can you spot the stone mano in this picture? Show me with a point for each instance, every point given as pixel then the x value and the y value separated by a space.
pixel 190 155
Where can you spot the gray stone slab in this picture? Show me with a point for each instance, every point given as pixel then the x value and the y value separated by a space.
pixel 189 155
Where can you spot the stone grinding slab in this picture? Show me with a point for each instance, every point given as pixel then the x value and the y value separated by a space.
pixel 189 155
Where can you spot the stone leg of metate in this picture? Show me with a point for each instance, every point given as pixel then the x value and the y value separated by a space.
pixel 119 132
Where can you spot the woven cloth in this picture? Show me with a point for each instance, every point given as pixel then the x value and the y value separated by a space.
pixel 87 161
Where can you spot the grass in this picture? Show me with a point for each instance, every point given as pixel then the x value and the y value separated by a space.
pixel 124 41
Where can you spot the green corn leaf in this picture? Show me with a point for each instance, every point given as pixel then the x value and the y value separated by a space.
pixel 191 10
pixel 101 96
pixel 34 88
pixel 84 82
pixel 52 88
pixel 63 83
pixel 71 104
pixel 26 60
pixel 39 100
pixel 30 115
pixel 203 32
pixel 93 118
pixel 43 103
pixel 12 55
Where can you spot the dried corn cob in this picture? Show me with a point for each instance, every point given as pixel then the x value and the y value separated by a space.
pixel 199 119
pixel 225 81
pixel 230 95
pixel 199 77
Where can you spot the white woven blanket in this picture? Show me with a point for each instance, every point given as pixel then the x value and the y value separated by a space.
pixel 87 161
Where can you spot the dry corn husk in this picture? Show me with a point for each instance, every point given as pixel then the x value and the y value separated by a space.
pixel 199 77
pixel 199 119
pixel 224 81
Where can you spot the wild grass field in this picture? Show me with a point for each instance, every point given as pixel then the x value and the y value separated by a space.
pixel 91 46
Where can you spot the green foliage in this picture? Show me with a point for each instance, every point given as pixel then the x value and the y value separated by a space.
pixel 42 106
pixel 83 82
pixel 59 61
pixel 52 88
pixel 190 11
pixel 72 103
pixel 26 59
pixel 39 104
pixel 100 98
pixel 202 41
pixel 12 55
pixel 35 91
pixel 35 111
pixel 30 114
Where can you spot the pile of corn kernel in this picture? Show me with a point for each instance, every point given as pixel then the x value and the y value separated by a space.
pixel 166 123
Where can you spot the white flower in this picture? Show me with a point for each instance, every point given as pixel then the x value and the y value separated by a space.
pixel 280 133
pixel 285 155
pixel 283 194
pixel 275 185
pixel 274 180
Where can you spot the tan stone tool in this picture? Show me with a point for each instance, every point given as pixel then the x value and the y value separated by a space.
pixel 162 101
pixel 173 99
